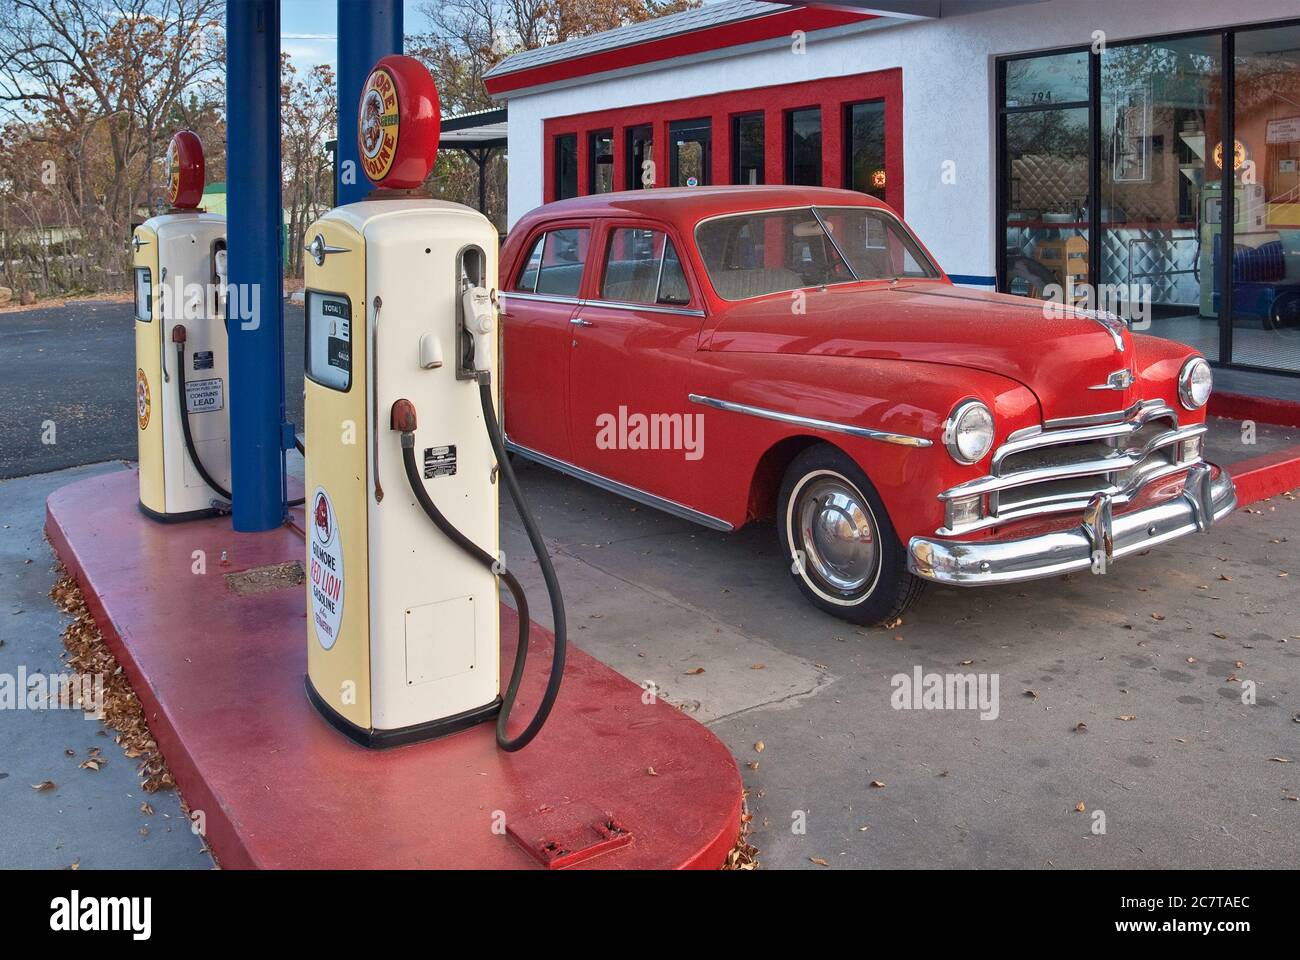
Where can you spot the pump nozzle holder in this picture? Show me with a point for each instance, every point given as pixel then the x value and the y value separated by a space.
pixel 403 416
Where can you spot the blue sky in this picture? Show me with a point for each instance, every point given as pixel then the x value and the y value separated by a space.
pixel 307 29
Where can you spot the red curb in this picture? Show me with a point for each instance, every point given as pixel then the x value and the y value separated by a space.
pixel 1235 406
pixel 220 679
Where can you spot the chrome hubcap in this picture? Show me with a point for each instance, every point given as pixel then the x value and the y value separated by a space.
pixel 838 533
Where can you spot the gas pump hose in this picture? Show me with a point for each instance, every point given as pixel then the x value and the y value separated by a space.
pixel 178 337
pixel 404 420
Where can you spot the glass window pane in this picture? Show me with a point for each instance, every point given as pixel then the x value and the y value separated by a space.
pixel 864 141
pixel 563 259
pixel 754 254
pixel 1160 117
pixel 528 276
pixel 632 265
pixel 747 146
pixel 1266 228
pixel 566 166
pixel 673 288
pixel 692 152
pixel 143 294
pixel 803 147
pixel 1038 81
pixel 640 157
pixel 600 161
pixel 1046 171
pixel 876 244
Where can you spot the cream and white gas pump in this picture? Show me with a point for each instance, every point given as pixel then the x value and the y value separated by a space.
pixel 183 425
pixel 405 456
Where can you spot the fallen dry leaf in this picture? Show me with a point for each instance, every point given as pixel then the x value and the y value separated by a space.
pixel 875 783
pixel 1078 727
pixel 1270 759
pixel 49 784
pixel 1078 806
pixel 690 673
pixel 1126 716
pixel 649 770
pixel 817 860
pixel 758 747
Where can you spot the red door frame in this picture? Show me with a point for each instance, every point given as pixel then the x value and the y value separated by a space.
pixel 832 94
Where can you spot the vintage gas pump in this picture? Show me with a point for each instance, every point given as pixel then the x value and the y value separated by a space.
pixel 180 348
pixel 403 631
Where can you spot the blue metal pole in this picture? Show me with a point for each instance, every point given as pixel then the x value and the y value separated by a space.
pixel 256 297
pixel 367 30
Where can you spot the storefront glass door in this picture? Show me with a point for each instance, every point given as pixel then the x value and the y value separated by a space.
pixel 1160 117
pixel 1266 183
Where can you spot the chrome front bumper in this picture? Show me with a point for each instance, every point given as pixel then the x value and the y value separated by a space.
pixel 1098 540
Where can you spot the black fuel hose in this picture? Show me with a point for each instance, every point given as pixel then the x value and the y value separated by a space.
pixel 189 438
pixel 512 584
pixel 185 422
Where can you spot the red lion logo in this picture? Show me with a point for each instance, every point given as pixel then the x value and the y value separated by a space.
pixel 322 517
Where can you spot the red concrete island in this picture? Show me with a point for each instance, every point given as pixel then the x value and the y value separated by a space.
pixel 220 677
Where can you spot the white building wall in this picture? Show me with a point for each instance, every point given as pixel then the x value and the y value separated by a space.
pixel 949 90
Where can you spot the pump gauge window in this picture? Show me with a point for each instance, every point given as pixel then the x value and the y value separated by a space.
pixel 143 295
pixel 329 339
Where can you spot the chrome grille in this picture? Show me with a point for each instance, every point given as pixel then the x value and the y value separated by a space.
pixel 1059 469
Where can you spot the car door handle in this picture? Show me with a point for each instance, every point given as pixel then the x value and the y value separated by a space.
pixel 579 322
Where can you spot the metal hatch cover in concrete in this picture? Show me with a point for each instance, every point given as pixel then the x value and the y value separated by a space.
pixel 220 677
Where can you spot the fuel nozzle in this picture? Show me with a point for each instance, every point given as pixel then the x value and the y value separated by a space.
pixel 479 309
pixel 178 333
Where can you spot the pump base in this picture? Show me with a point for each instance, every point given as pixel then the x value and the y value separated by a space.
pixel 205 514
pixel 382 739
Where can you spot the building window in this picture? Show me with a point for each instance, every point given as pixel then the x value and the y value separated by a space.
pixel 640 168
pixel 747 148
pixel 690 153
pixel 600 161
pixel 803 147
pixel 566 166
pixel 864 148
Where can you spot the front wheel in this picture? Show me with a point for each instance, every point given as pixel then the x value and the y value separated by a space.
pixel 844 554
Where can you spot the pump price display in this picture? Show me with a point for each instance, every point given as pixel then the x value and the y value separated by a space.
pixel 329 339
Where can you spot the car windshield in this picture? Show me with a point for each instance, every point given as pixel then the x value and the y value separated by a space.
pixel 771 251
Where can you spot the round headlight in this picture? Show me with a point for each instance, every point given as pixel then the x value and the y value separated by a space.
pixel 1195 381
pixel 968 434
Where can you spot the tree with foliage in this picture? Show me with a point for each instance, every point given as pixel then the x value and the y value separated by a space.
pixel 89 96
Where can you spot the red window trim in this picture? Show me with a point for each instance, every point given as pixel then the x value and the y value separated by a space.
pixel 831 94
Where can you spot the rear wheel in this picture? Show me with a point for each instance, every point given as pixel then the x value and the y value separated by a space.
pixel 844 554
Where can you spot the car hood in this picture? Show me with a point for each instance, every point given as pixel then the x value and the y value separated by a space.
pixel 1059 353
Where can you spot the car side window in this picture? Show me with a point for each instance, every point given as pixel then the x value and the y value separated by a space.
pixel 555 263
pixel 642 266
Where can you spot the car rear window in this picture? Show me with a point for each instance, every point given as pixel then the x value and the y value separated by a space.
pixel 555 263
pixel 754 254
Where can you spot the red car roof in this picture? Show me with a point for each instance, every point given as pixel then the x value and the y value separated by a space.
pixel 686 206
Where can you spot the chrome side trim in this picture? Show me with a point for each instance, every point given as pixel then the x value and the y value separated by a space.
pixel 644 307
pixel 622 489
pixel 604 304
pixel 901 439
pixel 540 297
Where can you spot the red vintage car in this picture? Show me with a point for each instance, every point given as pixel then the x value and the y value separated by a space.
pixel 729 354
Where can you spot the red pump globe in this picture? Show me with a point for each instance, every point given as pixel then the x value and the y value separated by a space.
pixel 398 122
pixel 185 170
